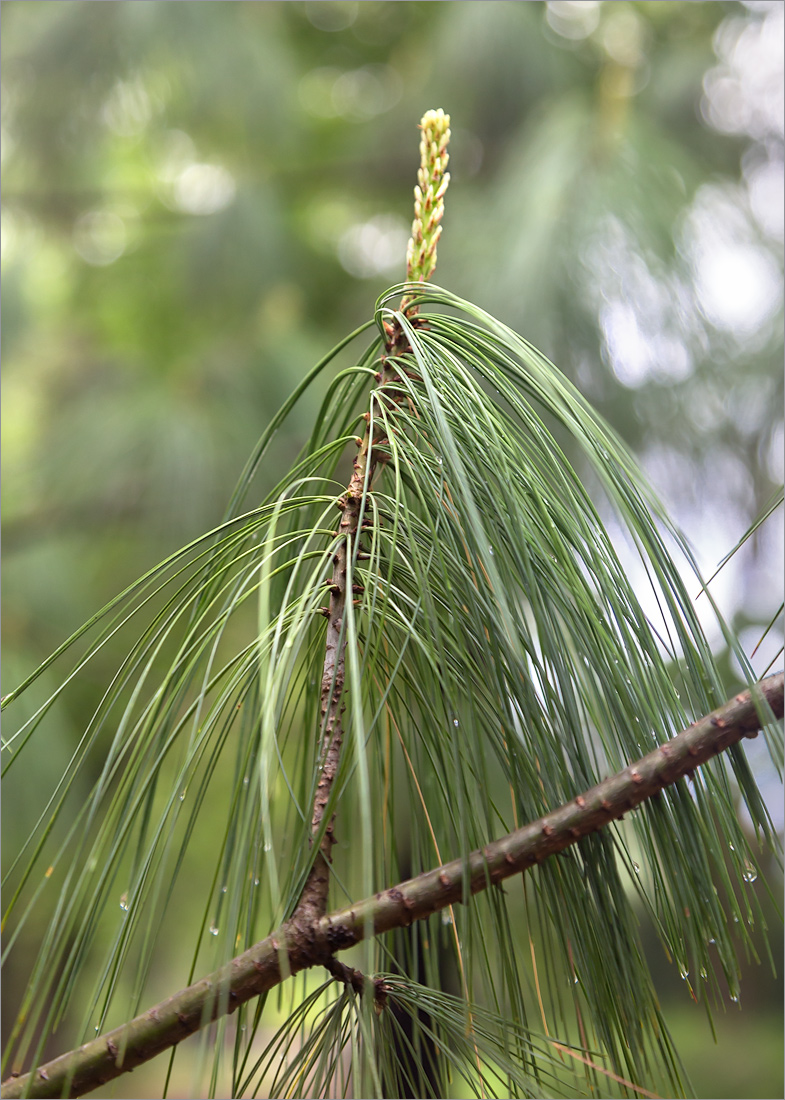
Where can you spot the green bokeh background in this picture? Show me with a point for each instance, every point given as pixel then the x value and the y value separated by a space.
pixel 200 199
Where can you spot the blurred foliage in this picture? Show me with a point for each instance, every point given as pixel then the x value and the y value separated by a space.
pixel 200 199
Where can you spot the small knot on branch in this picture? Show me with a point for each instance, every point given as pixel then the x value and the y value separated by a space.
pixel 357 980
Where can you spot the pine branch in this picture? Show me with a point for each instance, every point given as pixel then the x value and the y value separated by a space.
pixel 313 900
pixel 290 948
pixel 421 263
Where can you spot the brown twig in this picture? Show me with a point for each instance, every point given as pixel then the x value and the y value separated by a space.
pixel 290 948
pixel 420 265
pixel 313 901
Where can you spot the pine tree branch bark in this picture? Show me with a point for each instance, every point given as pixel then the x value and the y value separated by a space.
pixel 313 900
pixel 420 265
pixel 290 948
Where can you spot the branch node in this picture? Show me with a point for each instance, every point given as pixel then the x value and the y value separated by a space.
pixel 348 975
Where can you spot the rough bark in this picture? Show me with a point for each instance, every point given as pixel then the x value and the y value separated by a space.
pixel 313 901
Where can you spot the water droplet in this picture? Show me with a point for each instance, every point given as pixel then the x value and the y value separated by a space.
pixel 223 889
pixel 256 882
pixel 213 929
pixel 242 1027
pixel 731 848
pixel 735 920
pixel 245 781
pixel 575 980
pixel 636 867
pixel 182 794
pixel 124 902
pixel 704 975
pixel 750 874
pixel 95 1028
pixel 712 940
pixel 490 550
pixel 439 459
pixel 455 721
pixel 446 916
pixel 684 973
pixel 267 846
pixel 734 997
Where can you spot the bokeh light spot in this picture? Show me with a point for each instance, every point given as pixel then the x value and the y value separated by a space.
pixel 331 15
pixel 204 189
pixel 100 237
pixel 574 19
pixel 374 247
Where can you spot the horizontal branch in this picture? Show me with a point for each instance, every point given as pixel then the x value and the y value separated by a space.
pixel 292 948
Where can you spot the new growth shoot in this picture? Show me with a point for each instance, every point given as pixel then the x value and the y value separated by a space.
pixel 429 196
